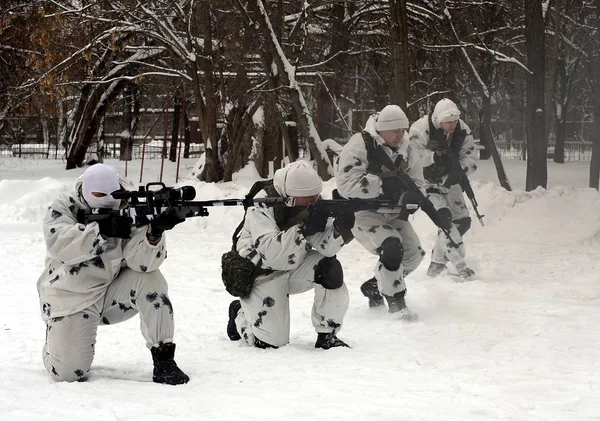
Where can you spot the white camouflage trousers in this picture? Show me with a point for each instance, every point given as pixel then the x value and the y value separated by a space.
pixel 265 315
pixel 371 229
pixel 443 250
pixel 69 348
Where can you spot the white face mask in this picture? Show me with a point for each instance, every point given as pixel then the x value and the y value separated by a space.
pixel 101 178
pixel 104 202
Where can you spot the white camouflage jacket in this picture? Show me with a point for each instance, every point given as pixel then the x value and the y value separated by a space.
pixel 261 239
pixel 419 138
pixel 80 264
pixel 353 179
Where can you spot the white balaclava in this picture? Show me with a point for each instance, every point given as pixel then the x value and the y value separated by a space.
pixel 297 179
pixel 391 118
pixel 444 110
pixel 102 179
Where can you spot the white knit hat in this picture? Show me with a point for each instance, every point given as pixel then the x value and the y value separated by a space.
pixel 298 179
pixel 102 179
pixel 445 110
pixel 391 118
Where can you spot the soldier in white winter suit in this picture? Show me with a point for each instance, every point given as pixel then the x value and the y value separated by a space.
pixel 390 236
pixel 298 256
pixel 434 137
pixel 103 273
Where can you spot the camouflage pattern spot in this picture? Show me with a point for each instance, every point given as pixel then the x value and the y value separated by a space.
pixel 423 253
pixel 81 227
pixel 53 280
pixel 52 230
pixel 167 302
pixel 80 375
pixel 158 255
pixel 269 302
pixel 364 182
pixel 86 316
pixel 291 258
pixel 373 229
pixel 143 268
pixel 97 261
pixel 332 324
pixel 157 305
pixel 96 242
pixel 387 227
pixel 124 307
pixel 56 214
pixel 298 241
pixel 105 321
pixel 396 283
pixel 151 296
pixel 54 371
pixel 347 168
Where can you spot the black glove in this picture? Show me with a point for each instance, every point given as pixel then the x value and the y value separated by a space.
pixel 441 158
pixel 164 222
pixel 391 186
pixel 313 223
pixel 343 223
pixel 116 226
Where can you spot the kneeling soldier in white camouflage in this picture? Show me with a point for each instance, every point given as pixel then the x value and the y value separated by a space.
pixel 294 255
pixel 103 273
pixel 390 236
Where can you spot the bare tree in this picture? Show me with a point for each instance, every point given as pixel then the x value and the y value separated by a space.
pixel 537 171
pixel 595 64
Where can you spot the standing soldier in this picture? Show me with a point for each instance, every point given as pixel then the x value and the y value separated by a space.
pixel 446 149
pixel 390 236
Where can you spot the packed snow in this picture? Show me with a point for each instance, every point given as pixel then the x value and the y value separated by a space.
pixel 520 343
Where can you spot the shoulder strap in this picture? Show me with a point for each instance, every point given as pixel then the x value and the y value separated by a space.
pixel 373 167
pixel 256 187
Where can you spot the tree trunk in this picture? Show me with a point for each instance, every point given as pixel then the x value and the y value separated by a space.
pixel 126 145
pixel 537 149
pixel 400 53
pixel 551 101
pixel 595 162
pixel 86 126
pixel 487 136
pixel 187 135
pixel 175 126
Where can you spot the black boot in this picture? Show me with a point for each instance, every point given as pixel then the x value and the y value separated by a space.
pixel 234 309
pixel 329 340
pixel 397 305
pixel 370 290
pixel 165 367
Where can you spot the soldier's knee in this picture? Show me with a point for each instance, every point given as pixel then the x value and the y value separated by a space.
pixel 66 372
pixel 446 217
pixel 463 225
pixel 329 273
pixel 392 253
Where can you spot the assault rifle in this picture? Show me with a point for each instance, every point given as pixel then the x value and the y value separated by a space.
pixel 414 196
pixel 146 204
pixel 457 174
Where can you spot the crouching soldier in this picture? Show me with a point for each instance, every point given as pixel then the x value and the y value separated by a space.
pixel 295 253
pixel 362 174
pixel 103 273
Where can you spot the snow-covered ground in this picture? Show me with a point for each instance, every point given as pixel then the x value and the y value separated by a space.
pixel 522 343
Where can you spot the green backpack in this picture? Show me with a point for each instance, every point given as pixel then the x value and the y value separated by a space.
pixel 239 273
